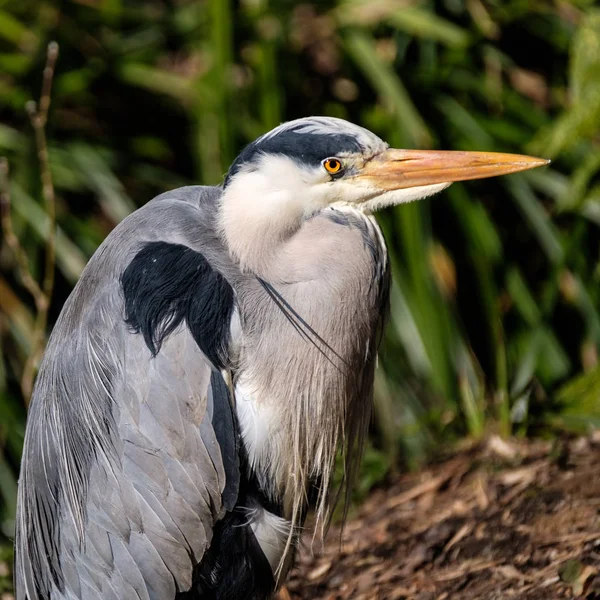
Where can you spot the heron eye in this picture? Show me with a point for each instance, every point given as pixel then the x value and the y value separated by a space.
pixel 332 165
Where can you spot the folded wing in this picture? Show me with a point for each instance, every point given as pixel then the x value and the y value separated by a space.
pixel 131 452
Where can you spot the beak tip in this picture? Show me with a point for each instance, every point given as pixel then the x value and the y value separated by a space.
pixel 536 161
pixel 533 162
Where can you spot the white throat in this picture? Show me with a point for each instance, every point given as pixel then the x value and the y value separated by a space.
pixel 264 205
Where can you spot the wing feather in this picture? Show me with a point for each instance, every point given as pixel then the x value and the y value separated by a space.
pixel 129 574
pixel 123 475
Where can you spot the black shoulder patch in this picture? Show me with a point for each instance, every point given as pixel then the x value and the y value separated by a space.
pixel 166 284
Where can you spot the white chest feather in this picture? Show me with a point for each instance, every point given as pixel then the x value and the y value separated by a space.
pixel 258 426
pixel 272 534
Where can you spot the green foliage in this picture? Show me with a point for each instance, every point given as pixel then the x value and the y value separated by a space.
pixel 495 317
pixel 578 402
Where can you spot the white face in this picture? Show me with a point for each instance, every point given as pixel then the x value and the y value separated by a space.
pixel 285 187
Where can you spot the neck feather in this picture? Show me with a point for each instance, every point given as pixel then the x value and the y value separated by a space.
pixel 306 368
pixel 263 206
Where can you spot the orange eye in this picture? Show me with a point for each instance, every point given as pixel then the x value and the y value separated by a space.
pixel 332 165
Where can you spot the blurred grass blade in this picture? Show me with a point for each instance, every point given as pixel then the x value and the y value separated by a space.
pixel 580 402
pixel 554 364
pixel 10 139
pixel 411 126
pixel 426 24
pixel 584 72
pixel 591 205
pixel 526 366
pixel 522 298
pixel 474 415
pixel 470 129
pixel 574 197
pixel 481 235
pixel 582 118
pixel 157 80
pixel 588 307
pixel 415 21
pixel 221 76
pixel 19 316
pixel 113 199
pixel 270 93
pixel 425 302
pixel 8 493
pixel 537 217
pixel 385 414
pixel 404 324
pixel 13 30
pixel 70 260
pixel 550 182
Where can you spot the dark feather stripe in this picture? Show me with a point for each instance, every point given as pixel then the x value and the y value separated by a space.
pixel 299 324
pixel 166 284
pixel 234 567
pixel 305 148
pixel 225 427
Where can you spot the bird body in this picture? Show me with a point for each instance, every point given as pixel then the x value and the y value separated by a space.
pixel 215 356
pixel 158 476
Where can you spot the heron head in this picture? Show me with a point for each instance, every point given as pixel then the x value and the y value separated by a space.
pixel 304 166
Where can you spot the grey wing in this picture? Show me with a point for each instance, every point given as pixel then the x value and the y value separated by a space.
pixel 149 519
pixel 130 459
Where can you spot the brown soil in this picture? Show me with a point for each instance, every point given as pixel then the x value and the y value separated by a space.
pixel 503 520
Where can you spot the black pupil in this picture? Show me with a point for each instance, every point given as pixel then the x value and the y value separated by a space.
pixel 334 165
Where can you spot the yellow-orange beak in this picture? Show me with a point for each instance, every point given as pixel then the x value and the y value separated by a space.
pixel 398 169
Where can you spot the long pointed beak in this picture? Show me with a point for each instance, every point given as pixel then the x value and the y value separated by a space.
pixel 397 169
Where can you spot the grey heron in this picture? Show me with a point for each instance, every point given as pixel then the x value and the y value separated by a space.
pixel 215 356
